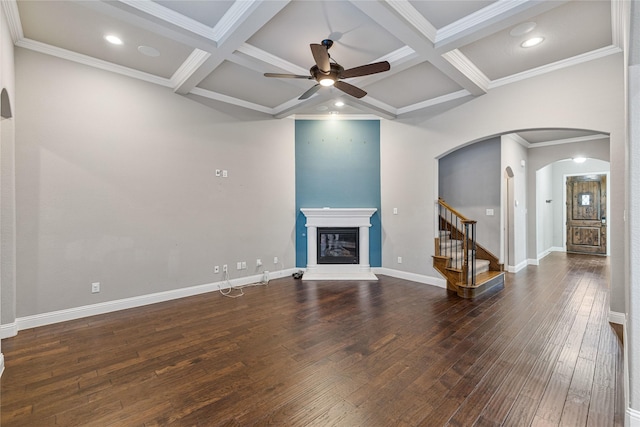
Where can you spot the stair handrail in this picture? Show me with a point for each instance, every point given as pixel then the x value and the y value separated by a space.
pixel 453 221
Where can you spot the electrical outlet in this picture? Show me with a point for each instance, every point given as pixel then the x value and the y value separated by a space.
pixel 225 174
pixel 399 260
pixel 225 268
pixel 275 259
pixel 258 262
pixel 216 269
pixel 238 265
pixel 95 287
pixel 244 265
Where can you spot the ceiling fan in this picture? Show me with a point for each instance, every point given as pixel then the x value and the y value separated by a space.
pixel 328 73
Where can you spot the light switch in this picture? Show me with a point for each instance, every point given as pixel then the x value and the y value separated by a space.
pixel 489 212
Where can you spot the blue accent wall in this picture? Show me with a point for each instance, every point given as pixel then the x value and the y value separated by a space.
pixel 338 166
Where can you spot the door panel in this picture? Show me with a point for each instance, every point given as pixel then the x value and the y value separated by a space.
pixel 587 214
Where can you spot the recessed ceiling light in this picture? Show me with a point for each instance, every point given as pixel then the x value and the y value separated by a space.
pixel 113 39
pixel 522 29
pixel 579 159
pixel 339 104
pixel 149 51
pixel 533 41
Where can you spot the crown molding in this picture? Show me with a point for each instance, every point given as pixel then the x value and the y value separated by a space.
pixel 578 59
pixel 618 23
pixel 165 14
pixel 594 137
pixel 434 101
pixel 12 13
pixel 188 67
pixel 415 18
pixel 520 140
pixel 468 68
pixel 92 62
pixel 231 100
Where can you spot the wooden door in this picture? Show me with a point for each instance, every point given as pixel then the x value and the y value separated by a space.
pixel 587 214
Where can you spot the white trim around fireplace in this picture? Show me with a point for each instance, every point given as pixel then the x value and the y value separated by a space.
pixel 338 217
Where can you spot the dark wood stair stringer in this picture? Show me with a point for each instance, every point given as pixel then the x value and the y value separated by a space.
pixel 490 272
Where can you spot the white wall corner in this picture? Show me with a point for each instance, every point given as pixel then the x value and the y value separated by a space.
pixel 532 261
pixel 9 330
pixel 557 249
pixel 1 364
pixel 420 278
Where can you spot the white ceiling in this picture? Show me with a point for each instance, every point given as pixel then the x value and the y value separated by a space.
pixel 442 53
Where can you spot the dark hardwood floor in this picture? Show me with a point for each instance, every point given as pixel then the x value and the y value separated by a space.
pixel 387 353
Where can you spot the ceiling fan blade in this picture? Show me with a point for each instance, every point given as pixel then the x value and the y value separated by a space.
pixel 287 76
pixel 350 89
pixel 310 92
pixel 321 56
pixel 365 70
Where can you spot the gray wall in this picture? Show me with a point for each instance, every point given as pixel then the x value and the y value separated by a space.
pixel 116 184
pixel 7 179
pixel 515 206
pixel 544 209
pixel 469 181
pixel 584 96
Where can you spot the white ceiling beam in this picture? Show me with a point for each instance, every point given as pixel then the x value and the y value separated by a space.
pixel 245 25
pixel 402 27
pixel 10 8
pixel 489 20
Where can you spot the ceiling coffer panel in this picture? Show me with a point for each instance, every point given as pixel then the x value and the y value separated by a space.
pixel 569 30
pixel 416 84
pixel 242 83
pixel 74 27
pixel 357 38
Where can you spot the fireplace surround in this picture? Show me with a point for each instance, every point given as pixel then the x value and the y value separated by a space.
pixel 338 218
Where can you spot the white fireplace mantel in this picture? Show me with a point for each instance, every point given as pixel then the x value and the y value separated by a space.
pixel 338 217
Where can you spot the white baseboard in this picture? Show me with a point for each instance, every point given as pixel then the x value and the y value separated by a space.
pixel 9 330
pixel 632 418
pixel 516 268
pixel 420 278
pixel 139 301
pixel 557 249
pixel 617 318
pixel 543 254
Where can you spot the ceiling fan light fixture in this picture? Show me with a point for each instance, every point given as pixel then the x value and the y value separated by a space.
pixel 326 81
pixel 533 41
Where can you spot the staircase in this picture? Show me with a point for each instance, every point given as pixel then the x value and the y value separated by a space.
pixel 469 268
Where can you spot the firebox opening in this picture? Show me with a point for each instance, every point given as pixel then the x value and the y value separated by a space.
pixel 338 245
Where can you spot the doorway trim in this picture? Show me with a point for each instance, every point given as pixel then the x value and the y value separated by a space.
pixel 564 203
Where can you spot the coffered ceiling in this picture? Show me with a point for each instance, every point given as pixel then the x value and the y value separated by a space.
pixel 442 53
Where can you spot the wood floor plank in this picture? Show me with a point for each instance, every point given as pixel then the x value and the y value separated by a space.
pixel 392 352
